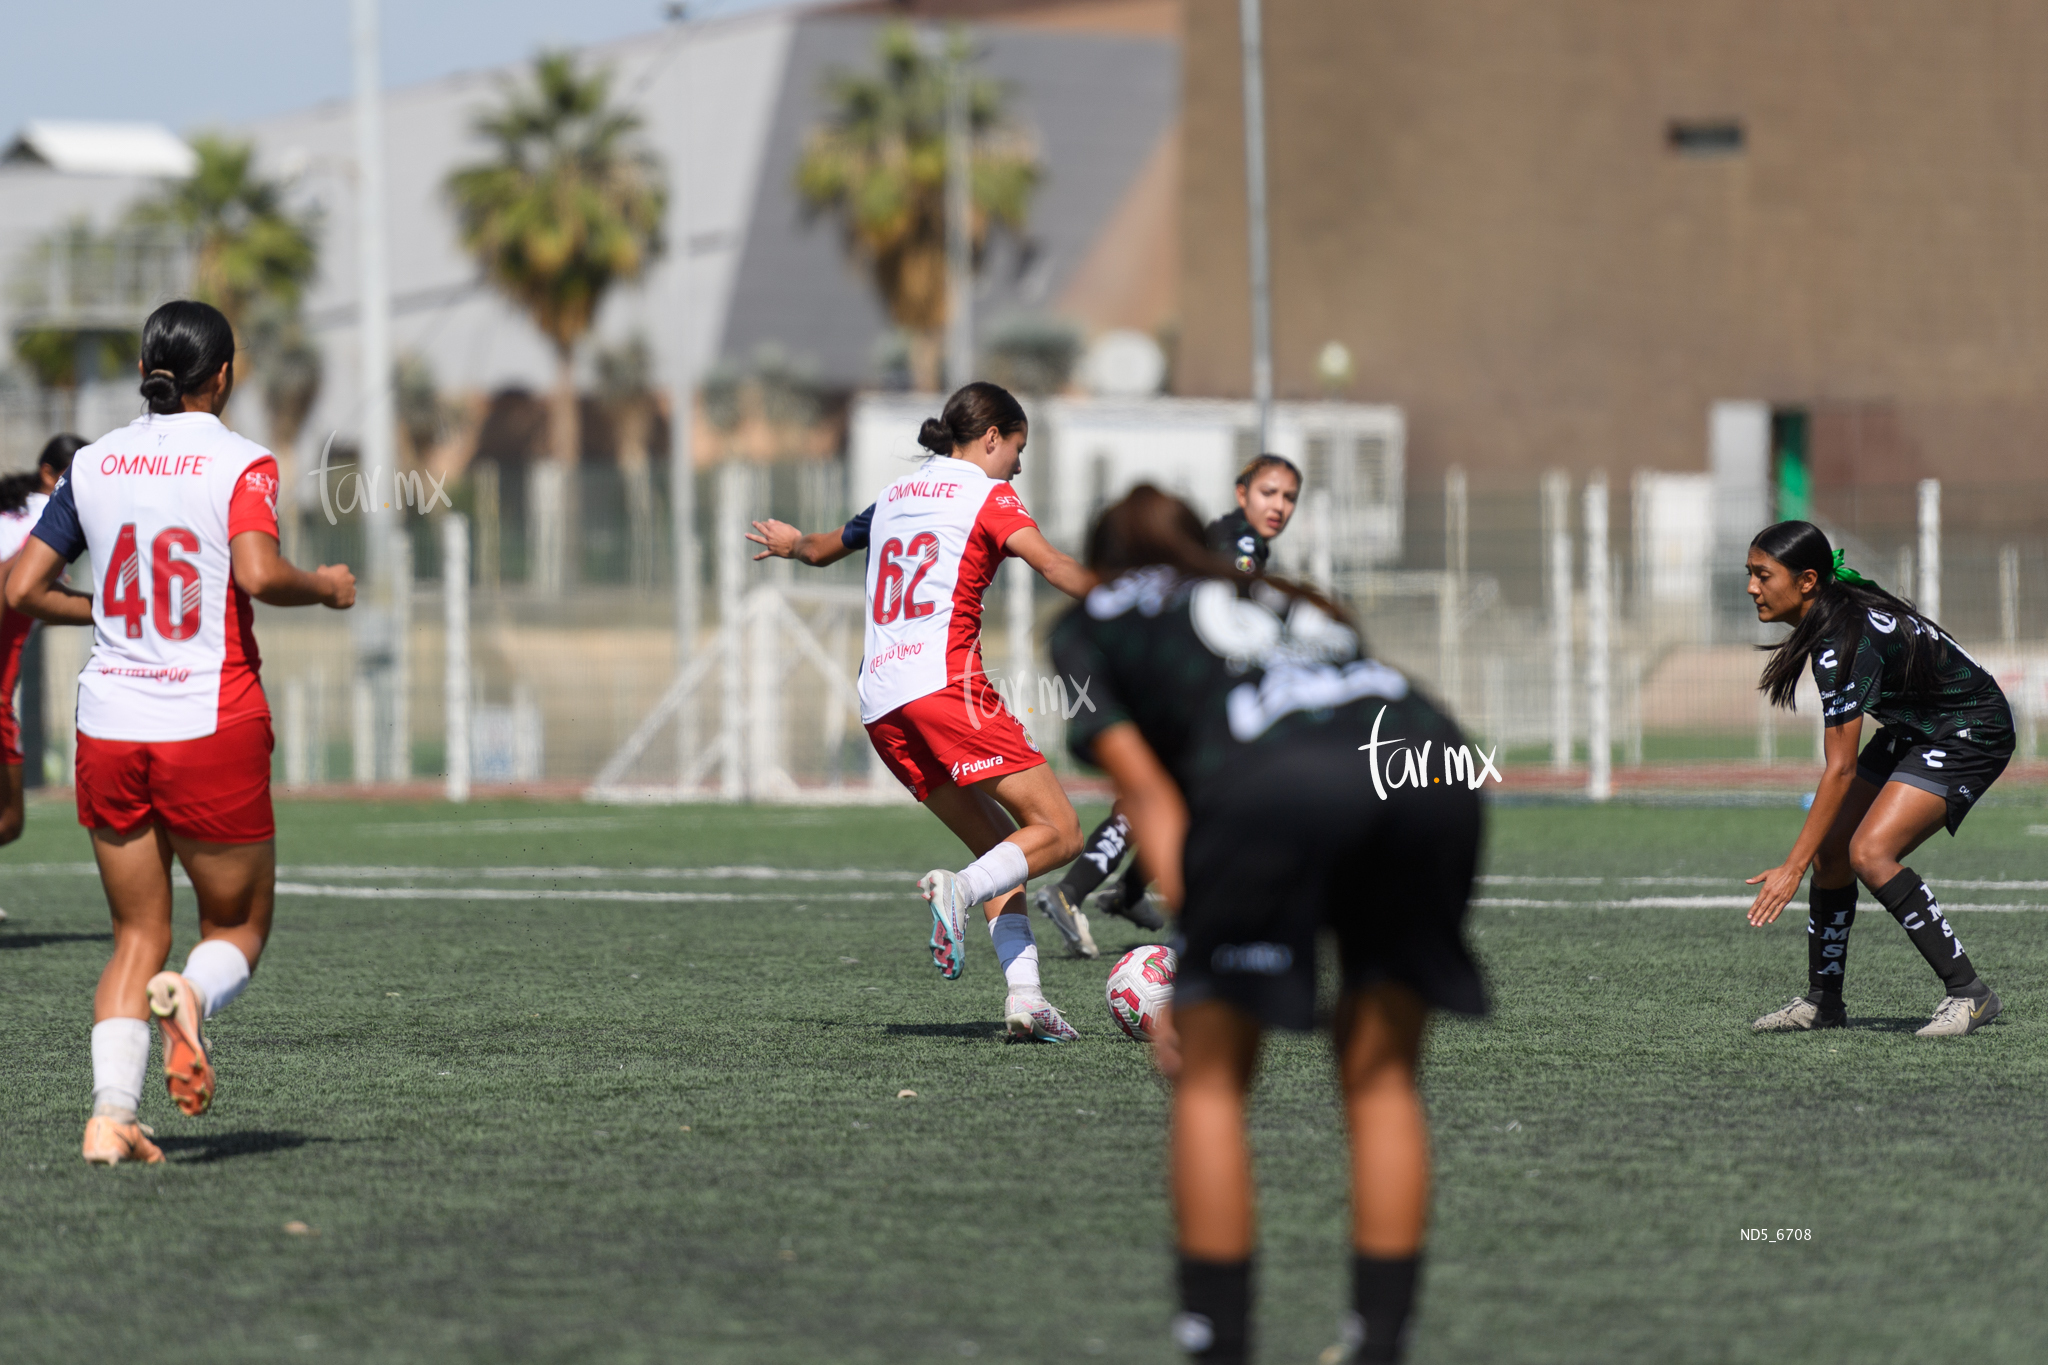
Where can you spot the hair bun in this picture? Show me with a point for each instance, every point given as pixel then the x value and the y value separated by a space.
pixel 159 386
pixel 934 437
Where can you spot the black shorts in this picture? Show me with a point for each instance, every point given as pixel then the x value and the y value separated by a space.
pixel 1297 841
pixel 1954 769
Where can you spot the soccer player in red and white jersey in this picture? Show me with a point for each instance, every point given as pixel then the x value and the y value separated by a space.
pixel 174 741
pixel 935 538
pixel 22 497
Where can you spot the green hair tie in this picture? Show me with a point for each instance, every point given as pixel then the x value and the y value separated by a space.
pixel 1845 574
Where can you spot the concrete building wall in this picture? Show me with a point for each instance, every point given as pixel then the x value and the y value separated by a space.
pixel 1479 198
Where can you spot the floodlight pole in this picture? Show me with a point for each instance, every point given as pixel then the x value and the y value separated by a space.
pixel 682 463
pixel 377 630
pixel 1255 215
pixel 959 220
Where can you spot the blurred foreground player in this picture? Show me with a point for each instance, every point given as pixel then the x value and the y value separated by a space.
pixel 180 516
pixel 1268 490
pixel 935 538
pixel 1277 784
pixel 22 497
pixel 1947 734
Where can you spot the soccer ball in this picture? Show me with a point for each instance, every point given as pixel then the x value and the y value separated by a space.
pixel 1140 984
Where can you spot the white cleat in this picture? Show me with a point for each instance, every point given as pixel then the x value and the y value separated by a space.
pixel 949 921
pixel 1031 1017
pixel 1957 1015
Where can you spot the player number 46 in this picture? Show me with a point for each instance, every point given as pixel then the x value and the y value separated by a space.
pixel 174 584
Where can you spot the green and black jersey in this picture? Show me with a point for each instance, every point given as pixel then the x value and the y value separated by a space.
pixel 1965 705
pixel 1208 670
pixel 1232 536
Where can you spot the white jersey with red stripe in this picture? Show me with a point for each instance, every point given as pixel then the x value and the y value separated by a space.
pixel 935 538
pixel 15 526
pixel 157 502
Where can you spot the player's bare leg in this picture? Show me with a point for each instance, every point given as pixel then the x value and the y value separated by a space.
pixel 1830 914
pixel 1901 819
pixel 135 868
pixel 13 810
pixel 1380 1038
pixel 1217 1049
pixel 1043 834
pixel 236 888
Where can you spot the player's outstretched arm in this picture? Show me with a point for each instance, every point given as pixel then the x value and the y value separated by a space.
pixel 269 577
pixel 1061 570
pixel 784 541
pixel 1781 883
pixel 1149 799
pixel 33 590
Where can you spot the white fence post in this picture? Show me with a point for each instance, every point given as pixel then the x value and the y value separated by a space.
pixel 2009 596
pixel 1930 549
pixel 1557 493
pixel 295 749
pixel 398 741
pixel 363 731
pixel 1451 601
pixel 1599 751
pixel 732 568
pixel 455 682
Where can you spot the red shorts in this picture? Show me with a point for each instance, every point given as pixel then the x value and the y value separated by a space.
pixel 14 628
pixel 215 789
pixel 944 738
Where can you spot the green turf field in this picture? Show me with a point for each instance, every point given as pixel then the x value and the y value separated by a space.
pixel 529 1128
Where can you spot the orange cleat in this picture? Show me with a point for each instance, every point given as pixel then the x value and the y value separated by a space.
pixel 109 1142
pixel 178 1011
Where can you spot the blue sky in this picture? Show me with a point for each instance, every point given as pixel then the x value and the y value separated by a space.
pixel 194 64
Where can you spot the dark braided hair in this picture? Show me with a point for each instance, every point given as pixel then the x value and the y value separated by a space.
pixel 1836 616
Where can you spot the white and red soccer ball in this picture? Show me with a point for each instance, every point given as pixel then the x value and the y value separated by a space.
pixel 1140 986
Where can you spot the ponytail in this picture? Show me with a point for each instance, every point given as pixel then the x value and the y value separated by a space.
pixel 1838 615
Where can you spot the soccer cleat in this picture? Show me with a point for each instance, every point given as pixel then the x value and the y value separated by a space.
pixel 1801 1015
pixel 187 1073
pixel 1031 1017
pixel 1957 1015
pixel 109 1142
pixel 1142 913
pixel 949 922
pixel 1066 917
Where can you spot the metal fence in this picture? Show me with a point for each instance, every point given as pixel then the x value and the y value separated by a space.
pixel 1550 640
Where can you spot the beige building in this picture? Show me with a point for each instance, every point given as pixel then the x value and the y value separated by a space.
pixel 1556 231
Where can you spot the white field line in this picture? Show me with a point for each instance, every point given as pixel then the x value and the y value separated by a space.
pixel 290 885
pixel 377 872
pixel 1691 903
pixel 504 893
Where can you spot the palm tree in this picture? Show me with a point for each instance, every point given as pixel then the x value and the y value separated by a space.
pixel 568 205
pixel 289 380
pixel 625 386
pixel 878 165
pixel 248 247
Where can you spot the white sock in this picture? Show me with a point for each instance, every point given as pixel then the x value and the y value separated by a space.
pixel 120 1064
pixel 218 971
pixel 1000 870
pixel 1016 951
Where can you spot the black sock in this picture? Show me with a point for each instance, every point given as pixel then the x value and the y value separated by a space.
pixel 1099 856
pixel 1830 911
pixel 1215 1310
pixel 1913 905
pixel 1382 1294
pixel 1134 882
